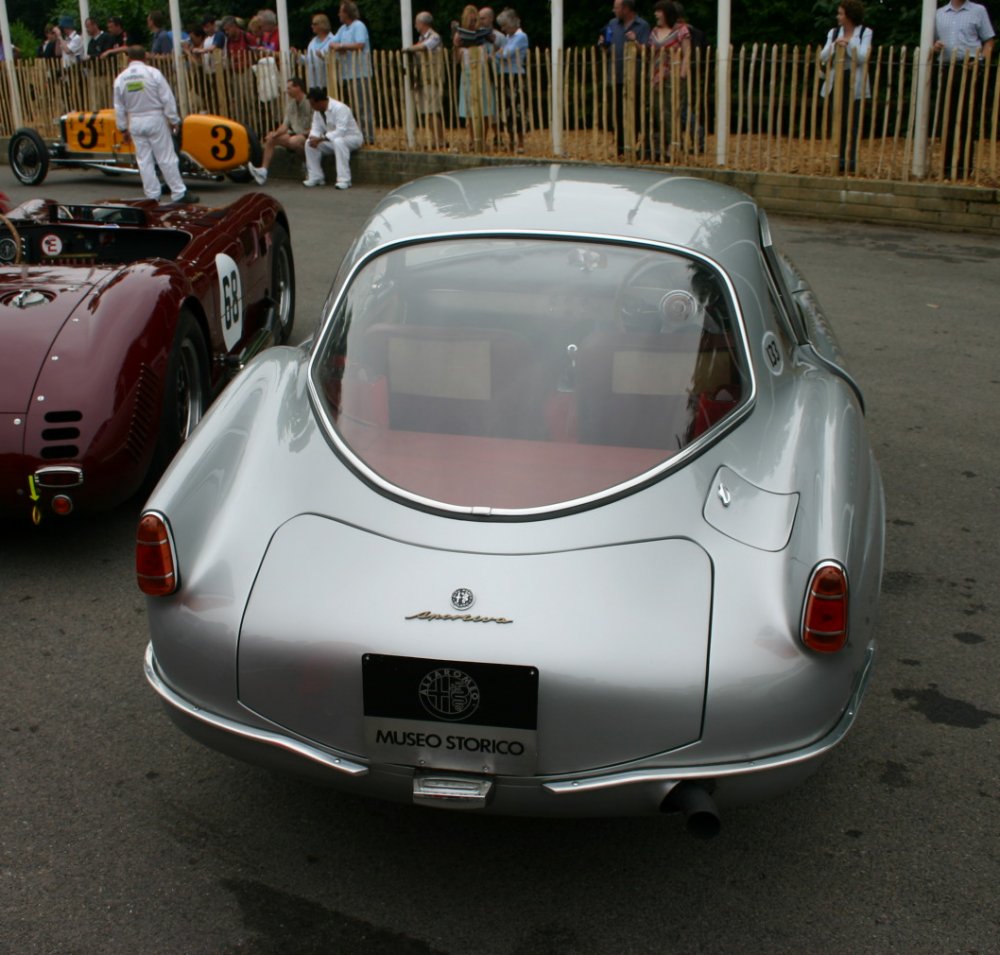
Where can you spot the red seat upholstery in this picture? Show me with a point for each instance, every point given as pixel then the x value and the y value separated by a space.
pixel 642 390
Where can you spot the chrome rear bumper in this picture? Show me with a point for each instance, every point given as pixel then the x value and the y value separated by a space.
pixel 598 793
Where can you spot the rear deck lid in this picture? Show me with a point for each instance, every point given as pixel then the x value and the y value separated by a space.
pixel 564 661
pixel 34 306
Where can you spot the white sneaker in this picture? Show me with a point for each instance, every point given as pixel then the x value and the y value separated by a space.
pixel 309 183
pixel 259 175
pixel 343 185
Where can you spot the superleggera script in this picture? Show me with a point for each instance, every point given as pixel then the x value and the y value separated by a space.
pixel 464 617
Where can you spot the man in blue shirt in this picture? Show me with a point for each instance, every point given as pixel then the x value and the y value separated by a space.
pixel 162 40
pixel 353 49
pixel 625 27
pixel 511 58
pixel 963 34
pixel 218 35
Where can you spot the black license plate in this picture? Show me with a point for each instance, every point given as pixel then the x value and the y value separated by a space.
pixel 449 691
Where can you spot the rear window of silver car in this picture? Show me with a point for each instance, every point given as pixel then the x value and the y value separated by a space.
pixel 507 375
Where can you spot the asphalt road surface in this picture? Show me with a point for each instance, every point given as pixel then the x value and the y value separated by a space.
pixel 120 835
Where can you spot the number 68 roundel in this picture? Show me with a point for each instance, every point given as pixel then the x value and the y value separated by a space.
pixel 231 303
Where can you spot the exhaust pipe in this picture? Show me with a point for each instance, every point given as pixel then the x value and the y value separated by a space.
pixel 700 814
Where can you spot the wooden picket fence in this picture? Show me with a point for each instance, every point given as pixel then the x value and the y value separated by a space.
pixel 781 121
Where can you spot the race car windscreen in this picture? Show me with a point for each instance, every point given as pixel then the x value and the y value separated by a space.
pixel 519 373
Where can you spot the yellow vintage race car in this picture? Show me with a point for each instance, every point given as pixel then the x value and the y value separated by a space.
pixel 209 147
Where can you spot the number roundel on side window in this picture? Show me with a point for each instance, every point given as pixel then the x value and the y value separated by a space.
pixel 772 353
pixel 231 303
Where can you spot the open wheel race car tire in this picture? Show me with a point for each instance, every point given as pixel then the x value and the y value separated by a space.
pixel 185 391
pixel 282 284
pixel 241 174
pixel 28 157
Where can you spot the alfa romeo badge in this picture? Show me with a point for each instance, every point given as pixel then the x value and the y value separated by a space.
pixel 449 694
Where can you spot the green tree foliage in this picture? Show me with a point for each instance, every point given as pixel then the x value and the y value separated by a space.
pixel 34 16
pixel 24 40
pixel 893 23
pixel 762 21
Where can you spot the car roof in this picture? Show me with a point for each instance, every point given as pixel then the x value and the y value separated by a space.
pixel 639 204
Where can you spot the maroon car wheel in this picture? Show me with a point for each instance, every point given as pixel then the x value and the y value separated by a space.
pixel 186 390
pixel 282 284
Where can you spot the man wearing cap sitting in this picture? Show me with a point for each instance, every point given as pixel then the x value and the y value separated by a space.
pixel 146 115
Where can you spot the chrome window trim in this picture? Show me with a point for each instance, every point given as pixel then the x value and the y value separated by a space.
pixel 783 295
pixel 674 462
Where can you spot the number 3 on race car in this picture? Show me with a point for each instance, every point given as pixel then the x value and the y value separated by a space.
pixel 230 299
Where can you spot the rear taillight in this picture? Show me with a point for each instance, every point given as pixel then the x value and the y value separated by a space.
pixel 155 567
pixel 824 618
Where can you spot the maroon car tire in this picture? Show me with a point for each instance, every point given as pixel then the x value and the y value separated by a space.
pixel 186 391
pixel 282 284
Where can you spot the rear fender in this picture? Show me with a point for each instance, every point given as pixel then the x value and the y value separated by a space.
pixel 822 454
pixel 222 497
pixel 107 365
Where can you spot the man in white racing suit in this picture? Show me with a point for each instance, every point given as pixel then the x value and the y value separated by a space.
pixel 146 114
pixel 334 130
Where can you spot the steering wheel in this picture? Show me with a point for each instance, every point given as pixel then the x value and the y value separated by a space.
pixel 654 298
pixel 658 296
pixel 10 246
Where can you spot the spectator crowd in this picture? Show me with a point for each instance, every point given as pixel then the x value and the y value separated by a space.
pixel 488 57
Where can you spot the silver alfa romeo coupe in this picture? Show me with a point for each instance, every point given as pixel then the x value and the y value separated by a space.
pixel 568 509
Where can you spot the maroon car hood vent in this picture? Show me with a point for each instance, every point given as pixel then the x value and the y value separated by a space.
pixel 32 313
pixel 147 393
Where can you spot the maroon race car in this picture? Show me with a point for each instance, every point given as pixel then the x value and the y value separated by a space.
pixel 119 322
